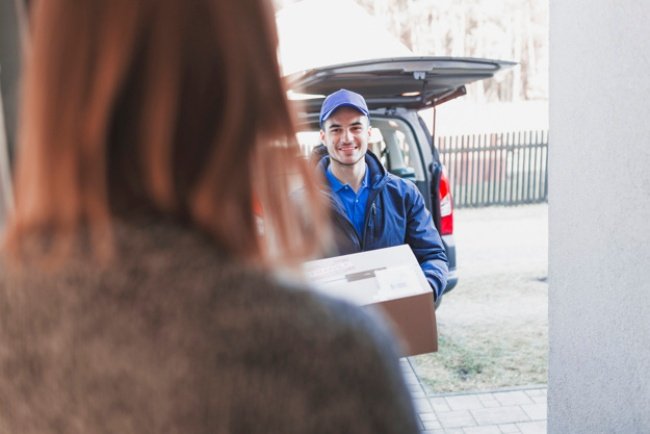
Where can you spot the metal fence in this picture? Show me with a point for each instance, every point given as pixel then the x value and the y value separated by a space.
pixel 496 169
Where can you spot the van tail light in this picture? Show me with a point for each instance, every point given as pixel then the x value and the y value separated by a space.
pixel 446 207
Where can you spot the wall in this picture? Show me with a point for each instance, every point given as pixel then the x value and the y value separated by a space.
pixel 599 217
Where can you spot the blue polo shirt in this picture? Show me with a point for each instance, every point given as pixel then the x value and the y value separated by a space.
pixel 353 203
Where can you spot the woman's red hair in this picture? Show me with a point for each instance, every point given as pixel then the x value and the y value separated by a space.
pixel 168 108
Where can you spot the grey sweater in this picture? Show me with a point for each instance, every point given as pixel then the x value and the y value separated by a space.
pixel 172 338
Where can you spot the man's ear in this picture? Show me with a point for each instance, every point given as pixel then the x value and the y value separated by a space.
pixel 322 136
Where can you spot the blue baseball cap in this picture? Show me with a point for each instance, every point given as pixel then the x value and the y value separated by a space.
pixel 342 98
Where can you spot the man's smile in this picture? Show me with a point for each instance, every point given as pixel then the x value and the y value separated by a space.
pixel 347 148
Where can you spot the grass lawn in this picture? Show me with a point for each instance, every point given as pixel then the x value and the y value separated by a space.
pixel 493 333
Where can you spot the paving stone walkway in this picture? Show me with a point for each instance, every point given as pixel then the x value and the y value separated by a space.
pixel 518 410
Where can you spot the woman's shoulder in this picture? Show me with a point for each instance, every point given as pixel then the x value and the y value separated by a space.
pixel 324 354
pixel 174 317
pixel 180 277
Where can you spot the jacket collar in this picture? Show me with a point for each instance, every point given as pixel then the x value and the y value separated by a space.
pixel 378 174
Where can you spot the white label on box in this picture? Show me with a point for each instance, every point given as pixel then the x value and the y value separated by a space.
pixel 396 282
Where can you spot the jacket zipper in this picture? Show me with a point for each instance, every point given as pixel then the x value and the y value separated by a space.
pixel 370 215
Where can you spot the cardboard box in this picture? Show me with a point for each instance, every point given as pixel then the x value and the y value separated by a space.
pixel 390 279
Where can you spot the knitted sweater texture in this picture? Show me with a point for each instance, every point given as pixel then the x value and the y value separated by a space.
pixel 171 337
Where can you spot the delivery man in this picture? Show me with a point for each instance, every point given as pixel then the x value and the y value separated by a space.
pixel 372 208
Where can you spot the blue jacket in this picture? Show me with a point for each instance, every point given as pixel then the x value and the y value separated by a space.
pixel 395 214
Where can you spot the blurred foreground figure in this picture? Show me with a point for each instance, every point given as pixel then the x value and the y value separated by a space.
pixel 136 294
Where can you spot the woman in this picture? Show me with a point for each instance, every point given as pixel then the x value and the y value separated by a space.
pixel 136 294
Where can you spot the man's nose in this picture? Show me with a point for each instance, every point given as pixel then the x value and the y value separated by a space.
pixel 347 136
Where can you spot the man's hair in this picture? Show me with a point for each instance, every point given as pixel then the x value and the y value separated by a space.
pixel 165 108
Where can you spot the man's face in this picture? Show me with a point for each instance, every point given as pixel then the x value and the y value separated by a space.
pixel 345 134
